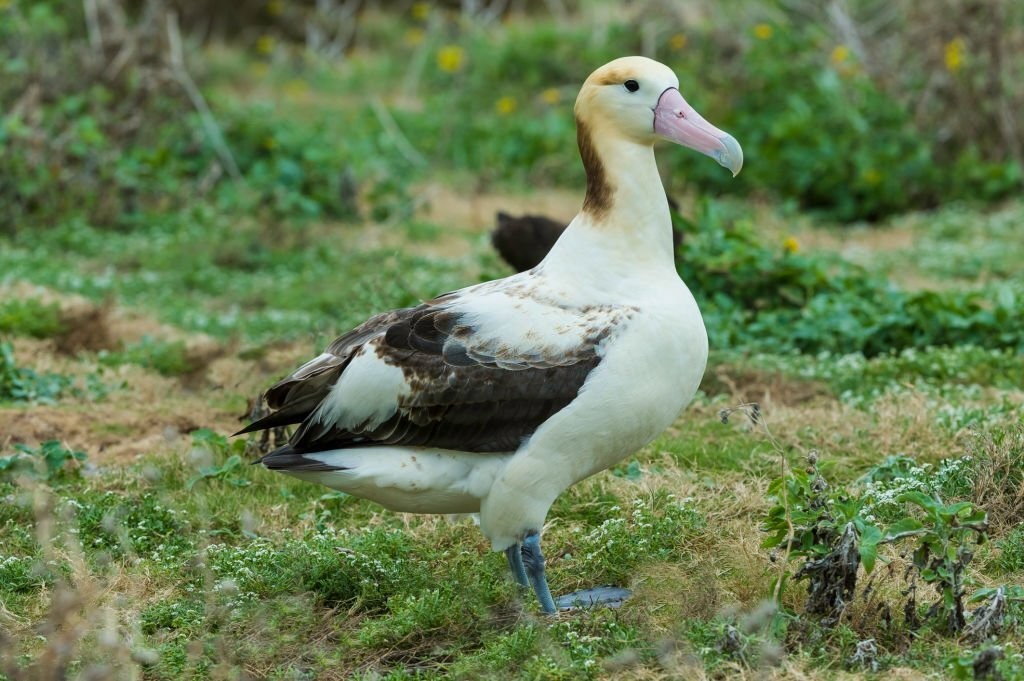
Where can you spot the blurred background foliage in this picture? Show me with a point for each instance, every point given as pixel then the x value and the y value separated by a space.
pixel 135 129
pixel 855 109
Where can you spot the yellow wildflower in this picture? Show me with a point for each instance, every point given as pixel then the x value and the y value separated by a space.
pixel 955 50
pixel 840 53
pixel 420 10
pixel 296 88
pixel 763 31
pixel 505 105
pixel 414 36
pixel 275 7
pixel 791 245
pixel 872 176
pixel 677 42
pixel 551 96
pixel 450 58
pixel 265 44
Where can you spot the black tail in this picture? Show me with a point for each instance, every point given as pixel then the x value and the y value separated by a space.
pixel 291 414
pixel 285 458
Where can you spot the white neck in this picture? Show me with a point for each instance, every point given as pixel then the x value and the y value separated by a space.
pixel 625 224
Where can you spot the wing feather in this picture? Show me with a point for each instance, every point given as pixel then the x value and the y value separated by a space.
pixel 462 389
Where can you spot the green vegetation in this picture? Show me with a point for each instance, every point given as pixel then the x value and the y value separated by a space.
pixel 29 317
pixel 46 461
pixel 765 298
pixel 828 132
pixel 834 532
pixel 843 497
pixel 22 384
pixel 1011 557
pixel 957 245
pixel 169 358
pixel 430 590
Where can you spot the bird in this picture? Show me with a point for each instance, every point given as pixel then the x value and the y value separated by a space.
pixel 495 398
pixel 522 241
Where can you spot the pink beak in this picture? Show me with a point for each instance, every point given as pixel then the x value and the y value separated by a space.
pixel 679 122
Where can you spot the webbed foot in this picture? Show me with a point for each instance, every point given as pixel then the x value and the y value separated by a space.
pixel 599 596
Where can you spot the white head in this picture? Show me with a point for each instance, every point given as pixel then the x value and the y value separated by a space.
pixel 638 98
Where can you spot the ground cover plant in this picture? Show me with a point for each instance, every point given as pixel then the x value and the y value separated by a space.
pixel 161 262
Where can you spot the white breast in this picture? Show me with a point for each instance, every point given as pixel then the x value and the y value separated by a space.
pixel 648 374
pixel 411 479
pixel 646 377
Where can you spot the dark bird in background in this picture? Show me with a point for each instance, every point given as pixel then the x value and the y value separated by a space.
pixel 523 241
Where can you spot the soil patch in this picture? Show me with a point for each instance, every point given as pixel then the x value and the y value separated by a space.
pixel 763 387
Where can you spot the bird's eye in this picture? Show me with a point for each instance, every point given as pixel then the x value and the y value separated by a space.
pixel 632 85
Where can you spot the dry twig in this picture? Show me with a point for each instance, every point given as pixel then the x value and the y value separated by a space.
pixel 210 126
pixel 402 142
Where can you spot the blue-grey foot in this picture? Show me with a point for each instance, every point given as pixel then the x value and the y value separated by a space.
pixel 514 554
pixel 533 562
pixel 527 563
pixel 599 596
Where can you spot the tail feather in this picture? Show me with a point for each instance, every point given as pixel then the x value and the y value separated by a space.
pixel 289 415
pixel 286 458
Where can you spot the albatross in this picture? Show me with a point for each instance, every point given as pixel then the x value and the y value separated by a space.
pixel 495 398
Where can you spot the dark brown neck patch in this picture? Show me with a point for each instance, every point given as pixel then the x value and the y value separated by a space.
pixel 599 193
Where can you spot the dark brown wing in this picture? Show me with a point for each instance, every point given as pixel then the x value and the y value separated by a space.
pixel 460 395
pixel 294 398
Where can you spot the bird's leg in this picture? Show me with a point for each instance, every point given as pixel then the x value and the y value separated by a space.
pixel 515 561
pixel 527 563
pixel 533 562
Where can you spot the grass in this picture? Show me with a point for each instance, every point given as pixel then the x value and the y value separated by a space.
pixel 320 583
pixel 957 246
pixel 162 555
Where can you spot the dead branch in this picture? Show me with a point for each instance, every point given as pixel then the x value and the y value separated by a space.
pixel 92 24
pixel 391 128
pixel 210 126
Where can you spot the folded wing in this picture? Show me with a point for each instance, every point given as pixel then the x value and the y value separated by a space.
pixel 442 375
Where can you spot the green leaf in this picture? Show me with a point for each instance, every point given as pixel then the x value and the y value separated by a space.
pixel 920 499
pixel 953 510
pixel 869 538
pixel 903 528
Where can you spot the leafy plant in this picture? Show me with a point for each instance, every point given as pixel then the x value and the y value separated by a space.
pixel 942 550
pixel 119 523
pixel 296 171
pixel 1000 606
pixel 173 615
pixel 824 528
pixel 21 384
pixel 840 144
pixel 654 529
pixel 772 299
pixel 337 566
pixel 48 460
pixel 205 439
pixel 226 471
pixel 993 662
pixel 834 532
